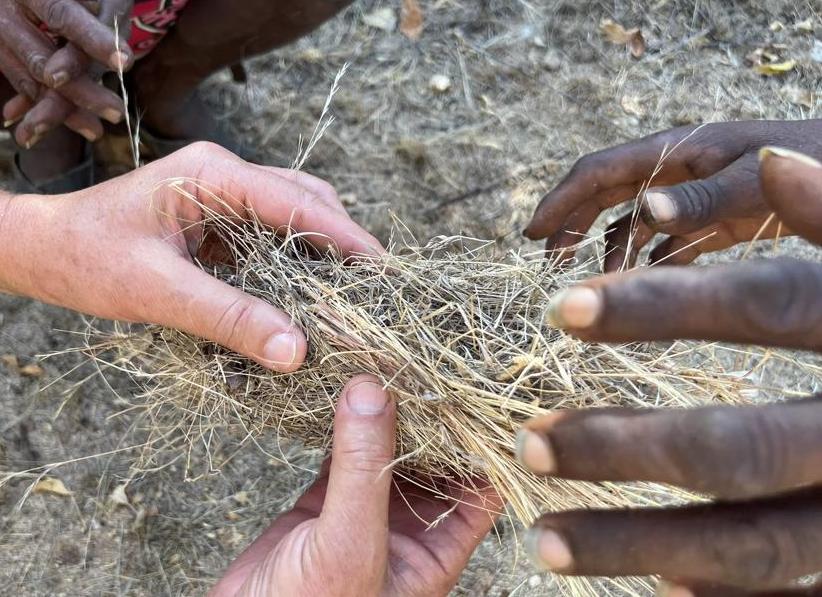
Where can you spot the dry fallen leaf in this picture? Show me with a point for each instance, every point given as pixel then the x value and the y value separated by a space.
pixel 519 364
pixel 382 18
pixel 118 496
pixel 805 26
pixel 241 498
pixel 619 35
pixel 51 485
pixel 32 370
pixel 775 68
pixel 411 20
pixel 11 361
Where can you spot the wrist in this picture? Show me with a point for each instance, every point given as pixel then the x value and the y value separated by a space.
pixel 20 227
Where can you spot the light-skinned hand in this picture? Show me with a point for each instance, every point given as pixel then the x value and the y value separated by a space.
pixel 352 534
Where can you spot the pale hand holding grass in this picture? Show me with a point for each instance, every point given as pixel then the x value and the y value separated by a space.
pixel 126 249
pixel 352 533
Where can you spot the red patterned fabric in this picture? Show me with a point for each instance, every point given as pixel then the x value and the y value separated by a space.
pixel 150 21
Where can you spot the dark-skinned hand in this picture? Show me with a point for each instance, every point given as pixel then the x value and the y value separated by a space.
pixel 762 464
pixel 57 79
pixel 704 195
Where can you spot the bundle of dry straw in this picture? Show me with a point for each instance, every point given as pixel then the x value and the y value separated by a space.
pixel 457 333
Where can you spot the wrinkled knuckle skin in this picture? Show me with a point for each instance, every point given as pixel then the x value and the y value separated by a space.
pixel 235 322
pixel 749 553
pixel 36 64
pixel 729 453
pixel 364 458
pixel 57 13
pixel 782 302
pixel 697 202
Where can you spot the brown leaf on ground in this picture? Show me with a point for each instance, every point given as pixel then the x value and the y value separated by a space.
pixel 32 370
pixel 52 486
pixel 619 35
pixel 12 362
pixel 411 19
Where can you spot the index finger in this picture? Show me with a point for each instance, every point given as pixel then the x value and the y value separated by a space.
pixel 611 176
pixel 71 20
pixel 226 184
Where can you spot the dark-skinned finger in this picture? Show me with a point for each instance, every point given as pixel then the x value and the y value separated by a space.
pixel 88 95
pixel 624 240
pixel 731 452
pixel 86 124
pixel 15 109
pixel 731 193
pixel 67 63
pixel 50 111
pixel 76 24
pixel 792 184
pixel 669 157
pixel 17 74
pixel 684 590
pixel 573 230
pixel 682 250
pixel 30 45
pixel 757 544
pixel 775 302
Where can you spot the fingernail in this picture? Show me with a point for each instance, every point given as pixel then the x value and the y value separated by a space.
pixel 112 115
pixel 281 349
pixel 59 79
pixel 118 59
pixel 41 129
pixel 535 453
pixel 547 550
pixel 9 122
pixel 575 308
pixel 661 206
pixel 89 135
pixel 664 589
pixel 789 154
pixel 32 142
pixel 367 398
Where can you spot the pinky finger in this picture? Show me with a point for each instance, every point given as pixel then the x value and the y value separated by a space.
pixel 15 109
pixel 86 124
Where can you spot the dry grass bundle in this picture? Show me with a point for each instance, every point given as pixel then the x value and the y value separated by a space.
pixel 455 332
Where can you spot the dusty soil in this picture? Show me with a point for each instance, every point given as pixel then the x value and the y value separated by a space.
pixel 532 87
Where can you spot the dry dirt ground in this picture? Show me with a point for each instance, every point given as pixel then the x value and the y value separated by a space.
pixel 532 87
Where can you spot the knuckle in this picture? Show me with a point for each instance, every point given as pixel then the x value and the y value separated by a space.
pixel 235 322
pixel 749 553
pixel 782 299
pixel 205 150
pixel 36 64
pixel 57 14
pixel 728 452
pixel 697 202
pixel 363 457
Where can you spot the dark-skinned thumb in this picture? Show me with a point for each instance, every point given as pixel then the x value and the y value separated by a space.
pixel 792 186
